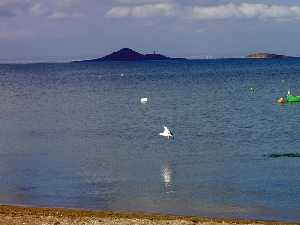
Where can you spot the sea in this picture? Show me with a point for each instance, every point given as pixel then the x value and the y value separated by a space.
pixel 76 135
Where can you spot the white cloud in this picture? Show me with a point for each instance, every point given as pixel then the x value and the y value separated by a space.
pixel 147 10
pixel 212 12
pixel 58 16
pixel 245 10
pixel 38 10
pixel 63 9
pixel 119 12
pixel 63 15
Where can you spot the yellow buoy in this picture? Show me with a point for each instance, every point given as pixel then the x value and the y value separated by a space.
pixel 281 100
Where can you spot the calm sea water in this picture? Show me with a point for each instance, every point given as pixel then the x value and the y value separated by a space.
pixel 76 135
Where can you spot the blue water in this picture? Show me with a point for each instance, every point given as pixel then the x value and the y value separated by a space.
pixel 77 136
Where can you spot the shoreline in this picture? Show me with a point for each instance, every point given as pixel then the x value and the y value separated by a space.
pixel 61 216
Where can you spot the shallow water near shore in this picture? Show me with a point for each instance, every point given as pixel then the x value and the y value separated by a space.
pixel 77 136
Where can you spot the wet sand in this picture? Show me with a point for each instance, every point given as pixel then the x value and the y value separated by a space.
pixel 16 215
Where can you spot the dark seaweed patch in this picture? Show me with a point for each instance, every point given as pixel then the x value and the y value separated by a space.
pixel 287 155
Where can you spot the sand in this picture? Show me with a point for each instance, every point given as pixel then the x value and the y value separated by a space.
pixel 16 215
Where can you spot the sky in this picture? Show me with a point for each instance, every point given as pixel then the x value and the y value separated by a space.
pixel 58 30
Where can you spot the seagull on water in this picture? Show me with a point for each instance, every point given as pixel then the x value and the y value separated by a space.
pixel 167 133
pixel 144 100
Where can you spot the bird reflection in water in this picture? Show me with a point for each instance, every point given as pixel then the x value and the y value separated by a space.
pixel 166 174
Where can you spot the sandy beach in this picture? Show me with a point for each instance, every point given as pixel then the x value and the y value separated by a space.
pixel 55 216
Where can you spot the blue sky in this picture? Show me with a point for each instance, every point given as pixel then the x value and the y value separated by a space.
pixel 77 29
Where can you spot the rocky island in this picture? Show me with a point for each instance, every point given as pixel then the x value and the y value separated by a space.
pixel 127 54
pixel 263 55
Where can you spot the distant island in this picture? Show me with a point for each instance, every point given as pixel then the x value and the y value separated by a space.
pixel 263 55
pixel 127 54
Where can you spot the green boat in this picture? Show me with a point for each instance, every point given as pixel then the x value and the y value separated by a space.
pixel 292 98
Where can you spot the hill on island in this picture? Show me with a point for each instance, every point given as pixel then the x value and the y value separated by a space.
pixel 263 55
pixel 127 54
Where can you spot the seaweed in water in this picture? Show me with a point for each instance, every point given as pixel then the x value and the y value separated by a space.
pixel 289 155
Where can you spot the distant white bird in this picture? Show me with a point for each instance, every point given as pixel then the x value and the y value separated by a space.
pixel 122 74
pixel 144 100
pixel 167 133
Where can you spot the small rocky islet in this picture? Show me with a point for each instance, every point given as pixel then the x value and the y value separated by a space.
pixel 264 55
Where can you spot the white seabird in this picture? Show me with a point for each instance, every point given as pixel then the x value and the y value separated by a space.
pixel 167 133
pixel 144 100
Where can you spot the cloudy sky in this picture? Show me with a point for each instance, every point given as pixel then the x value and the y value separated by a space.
pixel 77 29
